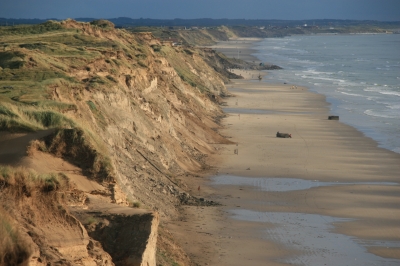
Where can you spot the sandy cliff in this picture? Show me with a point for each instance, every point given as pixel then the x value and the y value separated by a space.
pixel 121 118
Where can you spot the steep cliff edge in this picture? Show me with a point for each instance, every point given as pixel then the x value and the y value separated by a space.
pixel 128 119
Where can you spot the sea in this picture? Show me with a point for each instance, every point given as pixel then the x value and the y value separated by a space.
pixel 358 73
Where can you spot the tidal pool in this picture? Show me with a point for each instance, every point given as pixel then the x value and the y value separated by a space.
pixel 280 184
pixel 312 235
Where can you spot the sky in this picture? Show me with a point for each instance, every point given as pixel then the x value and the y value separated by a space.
pixel 383 10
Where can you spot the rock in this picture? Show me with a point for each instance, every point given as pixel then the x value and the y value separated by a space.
pixel 283 135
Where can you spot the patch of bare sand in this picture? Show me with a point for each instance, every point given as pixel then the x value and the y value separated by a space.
pixel 85 199
pixel 13 151
pixel 241 48
pixel 320 149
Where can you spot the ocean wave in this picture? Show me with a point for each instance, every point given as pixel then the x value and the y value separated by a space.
pixel 382 113
pixel 295 51
pixel 355 86
pixel 373 98
pixel 394 107
pixel 362 60
pixel 395 93
pixel 333 80
pixel 353 94
pixel 315 72
pixel 382 90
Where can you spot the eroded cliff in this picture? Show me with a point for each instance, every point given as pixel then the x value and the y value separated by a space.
pixel 123 117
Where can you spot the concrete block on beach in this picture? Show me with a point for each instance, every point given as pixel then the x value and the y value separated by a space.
pixel 333 117
pixel 283 135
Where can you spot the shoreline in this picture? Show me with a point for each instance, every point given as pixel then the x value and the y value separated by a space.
pixel 361 102
pixel 364 206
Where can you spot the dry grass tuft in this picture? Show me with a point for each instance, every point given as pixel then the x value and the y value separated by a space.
pixel 83 148
pixel 20 187
pixel 13 248
pixel 21 182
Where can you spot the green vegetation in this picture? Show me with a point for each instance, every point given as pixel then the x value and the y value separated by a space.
pixel 103 23
pixel 142 64
pixel 164 257
pixel 11 59
pixel 84 149
pixel 32 29
pixel 182 68
pixel 101 121
pixel 39 88
pixel 90 220
pixel 26 118
pixel 26 182
pixel 92 106
pixel 133 204
pixel 111 78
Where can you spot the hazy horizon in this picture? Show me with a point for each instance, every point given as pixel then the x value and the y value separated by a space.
pixel 381 10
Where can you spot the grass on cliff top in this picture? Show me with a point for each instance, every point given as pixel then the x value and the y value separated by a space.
pixel 21 181
pixel 34 60
pixel 31 29
pixel 26 118
pixel 40 62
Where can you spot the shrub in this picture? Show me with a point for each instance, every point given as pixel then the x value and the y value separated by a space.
pixel 102 23
pixel 136 204
pixel 156 48
pixel 92 106
pixel 188 52
pixel 142 64
pixel 90 220
pixel 12 59
pixel 133 204
pixel 35 145
pixel 51 183
pixel 111 78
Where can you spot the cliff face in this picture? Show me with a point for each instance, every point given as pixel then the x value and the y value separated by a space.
pixel 130 118
pixel 43 229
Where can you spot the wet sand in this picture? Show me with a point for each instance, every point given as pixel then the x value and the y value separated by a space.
pixel 326 196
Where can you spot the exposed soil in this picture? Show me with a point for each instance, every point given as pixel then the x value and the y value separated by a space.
pixel 125 120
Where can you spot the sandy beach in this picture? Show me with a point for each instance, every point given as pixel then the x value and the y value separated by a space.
pixel 326 196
